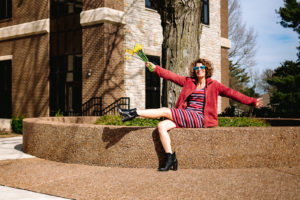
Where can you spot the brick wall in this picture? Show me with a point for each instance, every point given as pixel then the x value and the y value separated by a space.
pixel 30 60
pixel 210 41
pixel 224 18
pixel 143 26
pixel 225 76
pixel 30 74
pixel 27 11
pixel 103 52
pixel 224 52
pixel 92 4
pixel 102 49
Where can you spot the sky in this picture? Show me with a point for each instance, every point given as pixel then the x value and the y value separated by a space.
pixel 275 44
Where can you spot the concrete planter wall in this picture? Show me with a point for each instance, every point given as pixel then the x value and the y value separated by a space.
pixel 78 140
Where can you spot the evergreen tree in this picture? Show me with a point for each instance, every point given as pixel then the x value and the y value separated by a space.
pixel 290 17
pixel 285 98
pixel 239 80
pixel 238 77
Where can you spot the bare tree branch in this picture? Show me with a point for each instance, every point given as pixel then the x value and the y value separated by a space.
pixel 243 39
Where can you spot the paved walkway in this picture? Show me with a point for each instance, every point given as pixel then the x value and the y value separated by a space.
pixel 76 181
pixel 11 148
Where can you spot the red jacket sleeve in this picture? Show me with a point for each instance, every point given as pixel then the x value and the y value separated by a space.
pixel 170 76
pixel 233 94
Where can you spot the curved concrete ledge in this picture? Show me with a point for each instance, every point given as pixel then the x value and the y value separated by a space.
pixel 78 140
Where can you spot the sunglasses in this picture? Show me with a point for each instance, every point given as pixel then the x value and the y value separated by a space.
pixel 201 67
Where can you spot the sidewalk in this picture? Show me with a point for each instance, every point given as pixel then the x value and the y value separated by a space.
pixel 76 181
pixel 10 148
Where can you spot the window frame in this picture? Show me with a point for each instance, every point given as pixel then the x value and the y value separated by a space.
pixel 7 10
pixel 149 5
pixel 205 5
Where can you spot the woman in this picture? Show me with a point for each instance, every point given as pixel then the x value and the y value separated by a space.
pixel 196 106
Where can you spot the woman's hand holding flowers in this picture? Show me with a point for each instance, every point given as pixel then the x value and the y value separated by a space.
pixel 150 65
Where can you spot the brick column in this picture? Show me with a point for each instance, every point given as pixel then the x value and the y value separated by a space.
pixel 224 51
pixel 102 50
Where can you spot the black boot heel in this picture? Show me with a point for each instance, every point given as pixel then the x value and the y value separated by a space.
pixel 171 161
pixel 175 165
pixel 128 114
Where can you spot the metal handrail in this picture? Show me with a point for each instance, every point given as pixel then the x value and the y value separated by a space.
pixel 124 102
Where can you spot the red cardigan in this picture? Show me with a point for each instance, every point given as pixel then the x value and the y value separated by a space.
pixel 212 89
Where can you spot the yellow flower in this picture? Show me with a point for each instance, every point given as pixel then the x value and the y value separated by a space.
pixel 130 52
pixel 127 57
pixel 137 48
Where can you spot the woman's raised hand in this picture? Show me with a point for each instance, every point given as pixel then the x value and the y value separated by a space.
pixel 259 103
pixel 149 63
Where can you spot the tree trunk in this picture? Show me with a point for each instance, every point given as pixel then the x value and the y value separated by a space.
pixel 181 22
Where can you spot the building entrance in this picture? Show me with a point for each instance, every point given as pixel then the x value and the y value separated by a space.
pixel 65 57
pixel 152 85
pixel 5 89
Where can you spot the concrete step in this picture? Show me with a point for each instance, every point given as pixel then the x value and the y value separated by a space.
pixel 63 140
pixel 5 124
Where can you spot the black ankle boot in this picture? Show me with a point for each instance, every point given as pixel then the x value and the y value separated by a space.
pixel 171 161
pixel 128 114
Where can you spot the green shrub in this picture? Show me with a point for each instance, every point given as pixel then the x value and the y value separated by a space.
pixel 241 122
pixel 223 121
pixel 59 113
pixel 117 121
pixel 17 124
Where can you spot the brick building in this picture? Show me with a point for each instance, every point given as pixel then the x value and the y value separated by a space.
pixel 58 54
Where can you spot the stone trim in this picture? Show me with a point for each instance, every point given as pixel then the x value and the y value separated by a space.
pixel 7 57
pixel 25 29
pixel 226 43
pixel 152 52
pixel 100 15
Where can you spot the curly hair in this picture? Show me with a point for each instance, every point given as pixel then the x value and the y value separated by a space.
pixel 208 67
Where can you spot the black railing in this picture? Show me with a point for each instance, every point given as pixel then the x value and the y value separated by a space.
pixel 71 113
pixel 111 109
pixel 92 107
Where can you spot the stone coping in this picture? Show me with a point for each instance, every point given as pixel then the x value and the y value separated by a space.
pixel 78 140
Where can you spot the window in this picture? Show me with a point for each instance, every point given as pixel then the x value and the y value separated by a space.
pixel 5 9
pixel 152 85
pixel 5 89
pixel 148 4
pixel 60 8
pixel 205 12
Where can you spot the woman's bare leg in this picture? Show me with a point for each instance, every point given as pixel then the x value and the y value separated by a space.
pixel 163 128
pixel 155 113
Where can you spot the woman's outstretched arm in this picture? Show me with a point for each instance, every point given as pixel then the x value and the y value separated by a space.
pixel 168 75
pixel 233 94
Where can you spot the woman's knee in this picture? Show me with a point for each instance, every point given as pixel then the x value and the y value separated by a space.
pixel 165 126
pixel 161 127
pixel 166 112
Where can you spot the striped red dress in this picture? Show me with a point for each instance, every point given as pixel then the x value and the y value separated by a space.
pixel 192 116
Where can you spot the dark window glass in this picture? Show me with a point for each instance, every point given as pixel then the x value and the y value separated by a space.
pixel 5 9
pixel 205 12
pixel 152 85
pixel 148 4
pixel 5 89
pixel 60 8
